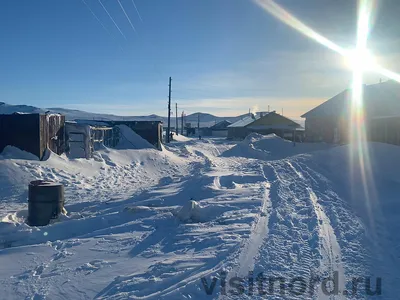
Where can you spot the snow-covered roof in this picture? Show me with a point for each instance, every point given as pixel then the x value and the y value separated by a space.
pixel 243 122
pixel 277 126
pixel 221 125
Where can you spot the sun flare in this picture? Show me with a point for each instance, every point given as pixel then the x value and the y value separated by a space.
pixel 360 60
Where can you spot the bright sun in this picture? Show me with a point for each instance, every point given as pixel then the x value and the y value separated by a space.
pixel 360 60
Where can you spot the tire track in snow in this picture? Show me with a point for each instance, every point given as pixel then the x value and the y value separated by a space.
pixel 331 253
pixel 259 230
pixel 259 233
pixel 250 251
pixel 291 250
pixel 301 239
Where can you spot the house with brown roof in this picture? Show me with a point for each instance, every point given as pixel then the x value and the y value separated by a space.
pixel 266 123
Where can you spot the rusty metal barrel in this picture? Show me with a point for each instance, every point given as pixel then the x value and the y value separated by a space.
pixel 46 202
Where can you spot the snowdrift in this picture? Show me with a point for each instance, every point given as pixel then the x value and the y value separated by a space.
pixel 150 224
pixel 11 152
pixel 131 140
pixel 180 138
pixel 111 174
pixel 367 179
pixel 270 147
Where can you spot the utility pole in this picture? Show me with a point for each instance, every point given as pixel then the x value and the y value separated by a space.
pixel 169 112
pixel 182 122
pixel 268 108
pixel 198 124
pixel 176 118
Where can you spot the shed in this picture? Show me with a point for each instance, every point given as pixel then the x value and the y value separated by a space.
pixel 33 133
pixel 151 131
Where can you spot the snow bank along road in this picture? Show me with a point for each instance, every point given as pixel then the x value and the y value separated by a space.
pixel 206 219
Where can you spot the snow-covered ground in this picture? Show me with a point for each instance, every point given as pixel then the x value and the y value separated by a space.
pixel 206 219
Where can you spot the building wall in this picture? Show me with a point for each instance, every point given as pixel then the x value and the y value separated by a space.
pixel 237 133
pixel 219 133
pixel 203 132
pixel 326 129
pixel 386 130
pixel 33 133
pixel 21 131
pixel 52 133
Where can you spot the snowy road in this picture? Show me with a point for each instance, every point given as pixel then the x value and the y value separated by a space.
pixel 285 220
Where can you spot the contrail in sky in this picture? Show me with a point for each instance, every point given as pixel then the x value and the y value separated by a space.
pixel 101 23
pixel 105 9
pixel 126 15
pixel 94 15
pixel 140 17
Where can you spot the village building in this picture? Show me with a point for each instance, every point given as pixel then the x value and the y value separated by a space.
pixel 380 109
pixel 220 129
pixel 266 123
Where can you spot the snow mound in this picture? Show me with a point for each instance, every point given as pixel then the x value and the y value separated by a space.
pixel 190 211
pixel 181 138
pixel 271 147
pixel 193 211
pixel 11 152
pixel 138 209
pixel 131 140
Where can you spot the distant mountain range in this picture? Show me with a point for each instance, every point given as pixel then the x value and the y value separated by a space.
pixel 206 119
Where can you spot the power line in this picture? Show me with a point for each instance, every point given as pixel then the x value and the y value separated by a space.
pixel 105 9
pixel 126 15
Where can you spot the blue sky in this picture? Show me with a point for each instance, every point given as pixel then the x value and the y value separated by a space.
pixel 225 56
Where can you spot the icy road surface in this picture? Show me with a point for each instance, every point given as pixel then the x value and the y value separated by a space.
pixel 264 211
